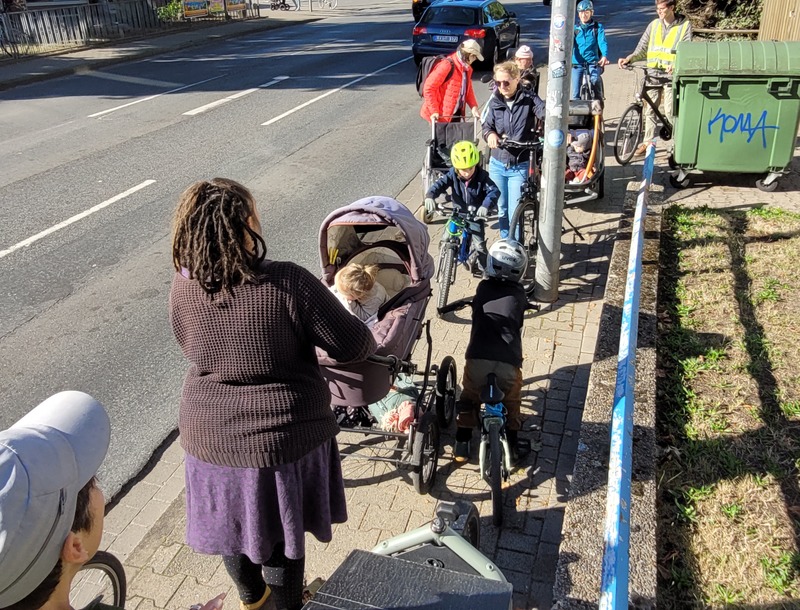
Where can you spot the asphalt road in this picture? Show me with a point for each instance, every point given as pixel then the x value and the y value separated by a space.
pixel 310 117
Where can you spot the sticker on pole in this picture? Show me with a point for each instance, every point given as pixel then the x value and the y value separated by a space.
pixel 555 138
pixel 559 21
pixel 558 69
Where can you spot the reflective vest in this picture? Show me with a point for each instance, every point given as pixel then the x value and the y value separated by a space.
pixel 660 49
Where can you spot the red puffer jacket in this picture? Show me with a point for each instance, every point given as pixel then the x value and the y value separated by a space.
pixel 440 96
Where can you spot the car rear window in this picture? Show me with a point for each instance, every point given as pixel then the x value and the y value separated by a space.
pixel 450 15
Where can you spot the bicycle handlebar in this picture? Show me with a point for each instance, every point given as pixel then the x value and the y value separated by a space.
pixel 462 303
pixel 452 210
pixel 527 145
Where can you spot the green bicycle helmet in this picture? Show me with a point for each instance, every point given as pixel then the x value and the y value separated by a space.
pixel 464 155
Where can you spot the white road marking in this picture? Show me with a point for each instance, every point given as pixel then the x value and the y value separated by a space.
pixel 152 97
pixel 225 100
pixel 76 218
pixel 129 79
pixel 331 92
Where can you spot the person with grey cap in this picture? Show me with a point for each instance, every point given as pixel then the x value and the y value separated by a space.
pixel 447 90
pixel 51 509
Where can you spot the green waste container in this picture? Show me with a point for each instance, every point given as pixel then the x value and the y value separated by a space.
pixel 736 107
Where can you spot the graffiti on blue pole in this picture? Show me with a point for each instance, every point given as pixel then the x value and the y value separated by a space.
pixel 741 123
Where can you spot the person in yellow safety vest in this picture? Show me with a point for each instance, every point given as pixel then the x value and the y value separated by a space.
pixel 657 44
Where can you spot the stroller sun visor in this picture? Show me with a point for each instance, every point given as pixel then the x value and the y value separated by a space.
pixel 369 221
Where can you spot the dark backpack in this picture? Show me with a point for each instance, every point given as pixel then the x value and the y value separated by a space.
pixel 426 67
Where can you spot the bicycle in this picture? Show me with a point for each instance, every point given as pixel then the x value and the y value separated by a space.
pixel 329 4
pixel 630 128
pixel 524 223
pixel 589 91
pixel 494 453
pixel 455 248
pixel 100 580
pixel 281 5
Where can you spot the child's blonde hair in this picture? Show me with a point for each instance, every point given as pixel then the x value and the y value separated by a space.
pixel 355 281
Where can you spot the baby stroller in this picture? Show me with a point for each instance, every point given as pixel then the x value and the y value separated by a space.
pixel 586 117
pixel 437 155
pixel 382 231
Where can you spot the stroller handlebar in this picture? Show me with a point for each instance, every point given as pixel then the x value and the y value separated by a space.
pixel 392 362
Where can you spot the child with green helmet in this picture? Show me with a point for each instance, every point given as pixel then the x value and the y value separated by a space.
pixel 469 186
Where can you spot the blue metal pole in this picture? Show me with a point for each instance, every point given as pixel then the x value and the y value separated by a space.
pixel 616 551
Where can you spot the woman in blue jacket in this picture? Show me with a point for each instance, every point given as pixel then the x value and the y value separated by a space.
pixel 513 113
pixel 590 48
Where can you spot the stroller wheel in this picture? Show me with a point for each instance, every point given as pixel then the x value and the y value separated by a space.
pixel 446 392
pixel 425 452
pixel 422 215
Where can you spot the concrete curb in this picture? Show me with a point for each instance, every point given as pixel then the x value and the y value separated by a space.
pixel 577 585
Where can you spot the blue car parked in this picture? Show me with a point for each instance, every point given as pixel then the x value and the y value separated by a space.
pixel 447 23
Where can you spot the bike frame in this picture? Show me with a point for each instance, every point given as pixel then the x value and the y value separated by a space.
pixel 493 413
pixel 643 97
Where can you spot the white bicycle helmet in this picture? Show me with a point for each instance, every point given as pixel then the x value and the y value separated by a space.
pixel 507 260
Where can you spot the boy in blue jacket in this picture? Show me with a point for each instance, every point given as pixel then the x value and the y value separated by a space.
pixel 469 186
pixel 591 48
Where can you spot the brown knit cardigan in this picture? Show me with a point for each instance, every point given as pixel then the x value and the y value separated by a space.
pixel 254 395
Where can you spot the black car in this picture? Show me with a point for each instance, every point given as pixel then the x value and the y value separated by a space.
pixel 447 23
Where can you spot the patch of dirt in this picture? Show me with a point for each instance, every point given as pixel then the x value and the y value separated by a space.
pixel 729 409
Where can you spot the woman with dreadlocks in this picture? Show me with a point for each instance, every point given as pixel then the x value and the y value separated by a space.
pixel 262 463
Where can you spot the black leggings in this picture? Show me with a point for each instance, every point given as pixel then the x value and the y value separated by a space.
pixel 283 575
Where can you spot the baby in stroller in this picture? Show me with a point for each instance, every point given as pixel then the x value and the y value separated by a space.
pixel 578 153
pixel 356 288
pixel 382 234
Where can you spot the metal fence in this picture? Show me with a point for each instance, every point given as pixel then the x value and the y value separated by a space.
pixel 48 30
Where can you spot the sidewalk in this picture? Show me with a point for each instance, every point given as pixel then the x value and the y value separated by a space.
pixel 15 73
pixel 146 527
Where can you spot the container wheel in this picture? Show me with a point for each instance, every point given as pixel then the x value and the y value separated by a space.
pixel 425 452
pixel 766 188
pixel 446 392
pixel 671 161
pixel 679 184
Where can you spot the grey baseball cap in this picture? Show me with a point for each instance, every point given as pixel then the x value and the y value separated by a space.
pixel 45 460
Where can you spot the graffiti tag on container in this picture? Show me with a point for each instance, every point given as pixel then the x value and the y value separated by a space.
pixel 741 123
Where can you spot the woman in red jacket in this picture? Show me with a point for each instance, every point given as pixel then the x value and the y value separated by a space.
pixel 445 97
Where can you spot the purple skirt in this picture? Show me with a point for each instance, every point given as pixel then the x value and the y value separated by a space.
pixel 248 511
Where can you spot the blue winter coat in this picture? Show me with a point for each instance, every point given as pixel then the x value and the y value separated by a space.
pixel 517 123
pixel 478 192
pixel 590 43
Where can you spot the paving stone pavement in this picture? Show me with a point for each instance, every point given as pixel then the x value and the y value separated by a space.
pixel 145 528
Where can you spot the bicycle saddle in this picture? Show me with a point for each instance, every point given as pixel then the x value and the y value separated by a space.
pixel 491 394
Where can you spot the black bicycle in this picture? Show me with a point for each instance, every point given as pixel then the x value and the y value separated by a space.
pixel 456 248
pixel 524 224
pixel 630 129
pixel 100 580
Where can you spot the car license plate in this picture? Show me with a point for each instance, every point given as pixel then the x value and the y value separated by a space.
pixel 445 38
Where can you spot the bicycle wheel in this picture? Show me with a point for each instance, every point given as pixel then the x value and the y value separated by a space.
pixel 101 579
pixel 524 226
pixel 446 274
pixel 425 452
pixel 496 473
pixel 628 134
pixel 446 392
